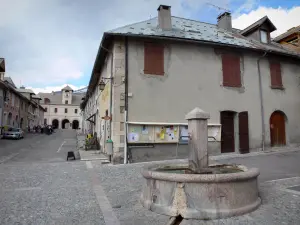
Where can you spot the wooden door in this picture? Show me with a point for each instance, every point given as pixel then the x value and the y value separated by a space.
pixel 227 132
pixel 244 132
pixel 277 129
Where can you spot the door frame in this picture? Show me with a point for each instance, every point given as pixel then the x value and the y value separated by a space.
pixel 272 144
pixel 235 129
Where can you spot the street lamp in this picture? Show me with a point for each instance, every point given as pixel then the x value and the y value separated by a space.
pixel 102 84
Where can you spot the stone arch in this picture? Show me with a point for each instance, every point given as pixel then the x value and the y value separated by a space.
pixel 75 124
pixel 278 121
pixel 55 123
pixel 65 124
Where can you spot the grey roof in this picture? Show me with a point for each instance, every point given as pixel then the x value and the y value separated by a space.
pixel 56 98
pixel 23 90
pixel 67 88
pixel 286 34
pixel 36 96
pixel 197 31
pixel 258 23
pixel 10 81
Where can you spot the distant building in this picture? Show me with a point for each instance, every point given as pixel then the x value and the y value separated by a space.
pixel 3 88
pixel 290 39
pixel 62 108
pixel 34 112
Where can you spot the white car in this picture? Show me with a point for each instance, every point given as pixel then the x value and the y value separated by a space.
pixel 14 133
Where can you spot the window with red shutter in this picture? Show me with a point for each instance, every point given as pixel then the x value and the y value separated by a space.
pixel 275 72
pixel 154 59
pixel 231 70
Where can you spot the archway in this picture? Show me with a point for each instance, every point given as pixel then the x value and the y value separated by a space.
pixel 55 124
pixel 277 128
pixel 75 124
pixel 65 124
pixel 9 118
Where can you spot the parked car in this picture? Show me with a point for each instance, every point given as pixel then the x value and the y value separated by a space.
pixel 14 133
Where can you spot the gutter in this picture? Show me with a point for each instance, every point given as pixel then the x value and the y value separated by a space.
pixel 126 102
pixel 262 110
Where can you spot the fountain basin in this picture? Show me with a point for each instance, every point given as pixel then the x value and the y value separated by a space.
pixel 224 191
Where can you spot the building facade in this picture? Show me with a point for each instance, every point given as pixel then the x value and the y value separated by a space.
pixel 156 71
pixel 3 88
pixel 62 109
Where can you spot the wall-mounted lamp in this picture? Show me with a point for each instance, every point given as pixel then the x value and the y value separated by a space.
pixel 102 84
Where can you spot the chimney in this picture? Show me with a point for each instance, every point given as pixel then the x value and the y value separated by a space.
pixel 224 21
pixel 2 76
pixel 164 17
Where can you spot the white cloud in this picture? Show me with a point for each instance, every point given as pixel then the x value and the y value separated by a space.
pixel 283 19
pixel 47 43
pixel 49 89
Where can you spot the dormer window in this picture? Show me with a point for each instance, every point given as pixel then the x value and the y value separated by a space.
pixel 264 36
pixel 260 30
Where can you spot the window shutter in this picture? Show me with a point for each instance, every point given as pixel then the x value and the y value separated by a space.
pixel 231 70
pixel 153 59
pixel 275 71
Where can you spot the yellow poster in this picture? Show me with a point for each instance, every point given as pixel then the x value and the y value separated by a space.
pixel 162 134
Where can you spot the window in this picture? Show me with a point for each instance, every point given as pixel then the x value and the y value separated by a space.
pixel 275 72
pixel 154 59
pixel 263 36
pixel 45 121
pixel 66 102
pixel 46 109
pixel 55 110
pixel 46 100
pixel 76 111
pixel 231 70
pixel 66 110
pixel 106 112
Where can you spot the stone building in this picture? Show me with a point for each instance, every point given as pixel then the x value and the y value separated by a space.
pixel 62 109
pixel 3 88
pixel 148 75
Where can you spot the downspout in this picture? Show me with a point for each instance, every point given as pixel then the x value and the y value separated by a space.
pixel 261 103
pixel 126 100
pixel 111 92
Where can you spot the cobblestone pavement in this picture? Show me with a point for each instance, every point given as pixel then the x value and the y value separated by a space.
pixel 38 186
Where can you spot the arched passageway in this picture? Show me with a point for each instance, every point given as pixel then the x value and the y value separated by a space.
pixel 55 124
pixel 75 124
pixel 65 124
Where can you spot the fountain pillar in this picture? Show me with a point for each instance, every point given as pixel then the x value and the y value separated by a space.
pixel 197 127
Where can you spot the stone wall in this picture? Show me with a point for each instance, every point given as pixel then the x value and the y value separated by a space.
pixel 118 94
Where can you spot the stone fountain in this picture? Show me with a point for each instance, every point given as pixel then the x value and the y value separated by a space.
pixel 197 190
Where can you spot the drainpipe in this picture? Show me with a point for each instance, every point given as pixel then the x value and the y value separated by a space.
pixel 126 99
pixel 261 102
pixel 111 92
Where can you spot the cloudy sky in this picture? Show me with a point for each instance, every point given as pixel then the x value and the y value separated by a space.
pixel 50 43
